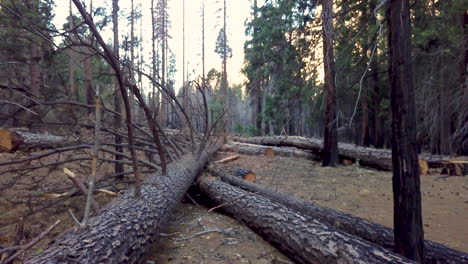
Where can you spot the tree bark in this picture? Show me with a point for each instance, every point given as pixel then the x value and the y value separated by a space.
pixel 13 140
pixel 118 169
pixel 365 229
pixel 298 237
pixel 330 149
pixel 128 226
pixel 409 234
pixel 88 81
pixel 371 157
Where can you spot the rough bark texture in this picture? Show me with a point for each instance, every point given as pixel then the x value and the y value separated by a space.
pixel 373 232
pixel 302 239
pixel 253 149
pixel 12 140
pixel 376 158
pixel 330 149
pixel 118 167
pixel 407 212
pixel 126 228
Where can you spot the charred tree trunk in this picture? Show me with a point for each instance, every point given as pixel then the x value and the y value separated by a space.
pixel 129 225
pixel 330 149
pixel 409 234
pixel 372 232
pixel 298 237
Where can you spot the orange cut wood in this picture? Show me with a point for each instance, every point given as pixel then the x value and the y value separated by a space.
pixel 423 167
pixel 250 176
pixel 269 152
pixel 5 140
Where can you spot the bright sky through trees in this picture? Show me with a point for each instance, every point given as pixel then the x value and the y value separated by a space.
pixel 237 10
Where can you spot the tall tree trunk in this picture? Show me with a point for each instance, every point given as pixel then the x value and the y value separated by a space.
pixel 71 62
pixel 154 103
pixel 366 16
pixel 224 82
pixel 132 56
pixel 164 99
pixel 330 148
pixel 88 69
pixel 118 167
pixel 203 46
pixel 408 229
pixel 184 86
pixel 444 115
pixel 88 82
pixel 377 120
pixel 35 84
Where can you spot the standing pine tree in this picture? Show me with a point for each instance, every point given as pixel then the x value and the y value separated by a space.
pixel 408 230
pixel 330 143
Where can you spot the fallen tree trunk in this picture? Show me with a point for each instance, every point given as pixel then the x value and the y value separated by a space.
pixel 373 232
pixel 126 228
pixel 12 140
pixel 376 158
pixel 252 149
pixel 300 238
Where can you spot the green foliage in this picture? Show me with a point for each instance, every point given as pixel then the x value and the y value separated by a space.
pixel 219 49
pixel 274 56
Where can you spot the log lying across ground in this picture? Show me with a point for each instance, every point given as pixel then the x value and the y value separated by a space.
pixel 377 158
pixel 124 230
pixel 372 232
pixel 253 149
pixel 302 239
pixel 12 140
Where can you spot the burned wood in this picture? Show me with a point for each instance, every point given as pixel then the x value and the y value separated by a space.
pixel 365 229
pixel 299 237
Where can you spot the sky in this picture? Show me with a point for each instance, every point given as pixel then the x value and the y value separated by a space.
pixel 237 13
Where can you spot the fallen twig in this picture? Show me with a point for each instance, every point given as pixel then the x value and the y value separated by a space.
pixel 81 187
pixel 238 197
pixel 217 230
pixel 228 159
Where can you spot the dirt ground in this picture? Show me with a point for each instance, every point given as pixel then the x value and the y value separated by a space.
pixel 367 193
pixel 195 235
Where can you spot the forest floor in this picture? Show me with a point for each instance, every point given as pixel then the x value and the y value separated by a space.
pixel 195 235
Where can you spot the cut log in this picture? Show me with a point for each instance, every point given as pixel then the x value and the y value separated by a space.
pixel 228 159
pixel 373 232
pixel 300 238
pixel 244 174
pixel 12 140
pixel 423 167
pixel 252 149
pixel 125 229
pixel 371 157
pixel 455 167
